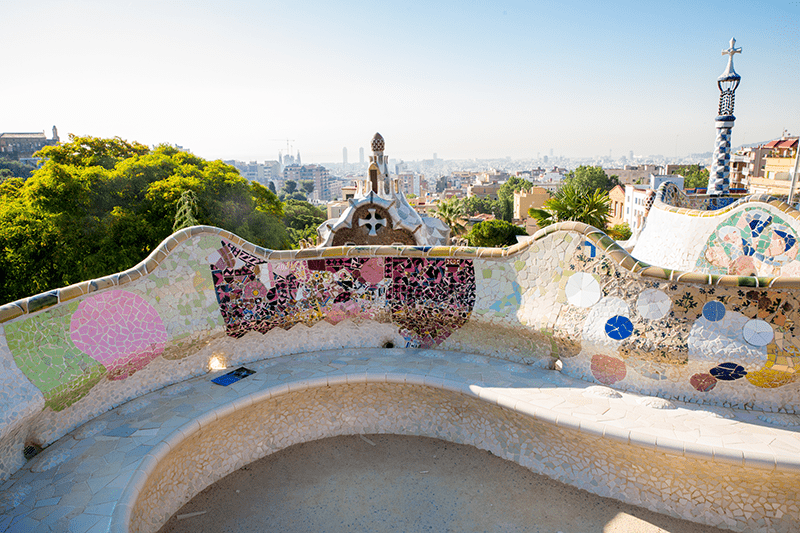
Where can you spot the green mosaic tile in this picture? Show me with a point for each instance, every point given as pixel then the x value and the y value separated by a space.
pixel 42 348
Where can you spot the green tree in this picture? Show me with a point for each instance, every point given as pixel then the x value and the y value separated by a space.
pixel 505 196
pixel 14 169
pixel 452 213
pixel 475 205
pixel 694 176
pixel 307 186
pixel 289 187
pixel 591 178
pixel 572 202
pixel 494 233
pixel 620 232
pixel 302 220
pixel 99 206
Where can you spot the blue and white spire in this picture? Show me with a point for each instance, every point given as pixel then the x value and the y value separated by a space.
pixel 719 178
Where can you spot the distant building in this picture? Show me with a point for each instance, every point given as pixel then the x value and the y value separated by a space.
pixel 344 156
pixel 361 155
pixel 616 208
pixel 291 172
pixel 634 174
pixel 321 178
pixel 636 197
pixel 777 167
pixel 524 200
pixel 23 145
pixel 489 190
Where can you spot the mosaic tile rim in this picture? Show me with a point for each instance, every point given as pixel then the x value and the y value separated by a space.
pixel 625 260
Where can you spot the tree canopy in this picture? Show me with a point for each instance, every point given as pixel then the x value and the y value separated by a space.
pixel 10 168
pixel 591 178
pixel 100 206
pixel 494 233
pixel 302 220
pixel 291 191
pixel 694 176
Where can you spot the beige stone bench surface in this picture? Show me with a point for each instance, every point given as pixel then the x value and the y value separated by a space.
pixel 88 480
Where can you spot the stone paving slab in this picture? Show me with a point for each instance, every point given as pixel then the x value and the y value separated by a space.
pixel 88 480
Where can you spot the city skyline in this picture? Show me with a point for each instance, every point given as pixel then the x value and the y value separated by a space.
pixel 471 80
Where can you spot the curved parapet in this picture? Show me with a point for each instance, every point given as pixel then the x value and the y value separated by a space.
pixel 753 235
pixel 206 298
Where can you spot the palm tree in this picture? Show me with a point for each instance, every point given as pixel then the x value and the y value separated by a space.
pixel 573 203
pixel 452 212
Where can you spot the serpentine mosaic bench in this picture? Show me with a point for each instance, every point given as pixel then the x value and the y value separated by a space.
pixel 206 298
pixel 131 468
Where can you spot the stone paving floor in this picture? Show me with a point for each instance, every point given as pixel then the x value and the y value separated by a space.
pixel 77 482
pixel 378 483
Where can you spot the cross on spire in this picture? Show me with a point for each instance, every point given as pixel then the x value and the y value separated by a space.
pixel 729 73
pixel 732 50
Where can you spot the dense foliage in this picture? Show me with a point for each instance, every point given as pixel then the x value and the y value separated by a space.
pixel 694 176
pixel 494 233
pixel 100 206
pixel 452 213
pixel 574 202
pixel 10 168
pixel 302 220
pixel 591 178
pixel 620 232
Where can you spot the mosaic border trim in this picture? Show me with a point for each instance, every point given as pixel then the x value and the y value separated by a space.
pixel 663 202
pixel 39 302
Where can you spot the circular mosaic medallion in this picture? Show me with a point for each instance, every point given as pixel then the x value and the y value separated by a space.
pixel 757 332
pixel 583 290
pixel 653 304
pixel 714 311
pixel 703 382
pixel 619 327
pixel 608 370
pixel 728 372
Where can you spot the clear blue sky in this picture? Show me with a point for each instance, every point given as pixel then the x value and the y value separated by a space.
pixel 467 78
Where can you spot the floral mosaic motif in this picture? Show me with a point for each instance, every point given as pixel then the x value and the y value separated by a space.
pixel 751 243
pixel 119 330
pixel 427 298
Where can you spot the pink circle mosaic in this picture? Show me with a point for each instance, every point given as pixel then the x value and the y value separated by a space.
pixel 703 382
pixel 119 330
pixel 608 370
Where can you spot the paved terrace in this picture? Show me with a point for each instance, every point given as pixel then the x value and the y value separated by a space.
pixel 106 475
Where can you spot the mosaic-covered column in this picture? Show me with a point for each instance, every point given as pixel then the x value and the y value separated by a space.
pixel 719 178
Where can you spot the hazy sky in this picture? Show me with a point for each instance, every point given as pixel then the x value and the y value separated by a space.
pixel 469 78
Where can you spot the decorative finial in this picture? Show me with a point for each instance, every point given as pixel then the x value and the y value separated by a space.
pixel 377 143
pixel 729 73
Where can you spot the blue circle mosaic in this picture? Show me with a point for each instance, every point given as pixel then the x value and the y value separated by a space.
pixel 714 311
pixel 619 327
pixel 728 372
